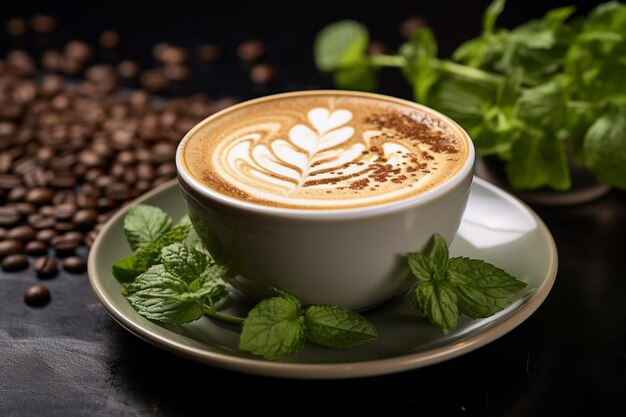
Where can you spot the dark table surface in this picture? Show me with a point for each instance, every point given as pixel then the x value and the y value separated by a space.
pixel 70 358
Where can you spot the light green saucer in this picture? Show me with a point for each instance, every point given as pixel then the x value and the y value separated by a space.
pixel 496 227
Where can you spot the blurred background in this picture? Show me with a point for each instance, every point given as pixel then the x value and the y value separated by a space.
pixel 287 28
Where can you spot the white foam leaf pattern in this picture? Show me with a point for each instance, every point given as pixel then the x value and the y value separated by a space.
pixel 314 155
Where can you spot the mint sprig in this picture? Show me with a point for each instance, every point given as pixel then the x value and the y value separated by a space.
pixel 448 288
pixel 148 230
pixel 525 95
pixel 278 327
pixel 170 281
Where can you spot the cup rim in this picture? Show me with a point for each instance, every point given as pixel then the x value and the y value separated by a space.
pixel 337 213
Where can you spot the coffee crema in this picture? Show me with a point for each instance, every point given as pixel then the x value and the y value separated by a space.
pixel 324 150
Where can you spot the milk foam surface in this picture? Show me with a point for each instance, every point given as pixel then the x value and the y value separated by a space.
pixel 324 151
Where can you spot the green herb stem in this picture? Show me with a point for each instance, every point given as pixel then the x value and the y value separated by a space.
pixel 380 60
pixel 468 72
pixel 446 66
pixel 224 318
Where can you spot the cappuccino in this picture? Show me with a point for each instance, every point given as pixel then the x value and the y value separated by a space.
pixel 324 150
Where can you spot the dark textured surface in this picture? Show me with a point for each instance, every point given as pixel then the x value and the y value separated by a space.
pixel 69 358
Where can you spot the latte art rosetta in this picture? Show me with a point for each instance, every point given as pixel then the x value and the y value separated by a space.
pixel 313 156
pixel 325 153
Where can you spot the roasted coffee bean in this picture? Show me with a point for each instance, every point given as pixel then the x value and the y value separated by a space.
pixel 16 26
pixel 109 39
pixel 64 211
pixel 208 53
pixel 17 194
pixel 170 54
pixel 37 295
pixel 104 181
pixel 177 72
pixel 154 80
pixel 21 62
pixel 10 247
pixel 3 233
pixel 105 204
pixel 36 247
pixel 5 162
pixel 63 227
pixel 24 209
pixel 40 196
pixel 75 235
pixel 163 152
pixel 129 176
pixel 250 50
pixel 117 170
pixel 63 197
pixel 42 23
pixel 63 181
pixel 145 171
pixel 35 178
pixel 78 51
pixel 15 262
pixel 22 233
pixel 8 181
pixel 160 180
pixel 9 216
pixel 166 170
pixel 47 210
pixel 64 246
pixel 117 191
pixel 74 264
pixel 90 238
pixel 46 235
pixel 84 219
pixel 41 221
pixel 263 74
pixel 126 158
pixel 128 69
pixel 85 201
pixel 46 267
pixel 91 159
pixel 52 60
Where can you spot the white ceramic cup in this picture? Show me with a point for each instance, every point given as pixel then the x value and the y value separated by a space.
pixel 350 257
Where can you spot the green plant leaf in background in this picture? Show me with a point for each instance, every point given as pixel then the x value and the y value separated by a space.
pixel 538 160
pixel 605 147
pixel 340 45
pixel 420 53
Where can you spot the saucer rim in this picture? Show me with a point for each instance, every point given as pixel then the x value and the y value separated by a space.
pixel 335 370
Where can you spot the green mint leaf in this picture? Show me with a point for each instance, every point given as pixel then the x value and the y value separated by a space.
pixel 159 295
pixel 438 252
pixel 182 261
pixel 473 52
pixel 420 54
pixel 492 12
pixel 210 243
pixel 422 266
pixel 184 221
pixel 460 285
pixel 149 255
pixel 482 288
pixel 543 106
pixel 337 327
pixel 605 147
pixel 464 101
pixel 340 45
pixel 274 328
pixel 358 76
pixel 538 160
pixel 125 270
pixel 438 301
pixel 433 263
pixel 143 224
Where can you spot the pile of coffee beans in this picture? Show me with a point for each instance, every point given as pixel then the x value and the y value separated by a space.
pixel 75 146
